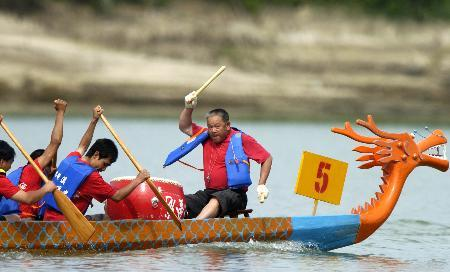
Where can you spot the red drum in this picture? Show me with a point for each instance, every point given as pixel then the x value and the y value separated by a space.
pixel 143 203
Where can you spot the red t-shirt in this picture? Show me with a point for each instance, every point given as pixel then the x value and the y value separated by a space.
pixel 93 187
pixel 214 157
pixel 29 181
pixel 7 189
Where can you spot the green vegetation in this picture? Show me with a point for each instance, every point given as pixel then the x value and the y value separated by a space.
pixel 396 9
pixel 419 10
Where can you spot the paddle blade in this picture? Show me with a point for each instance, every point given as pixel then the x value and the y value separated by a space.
pixel 80 224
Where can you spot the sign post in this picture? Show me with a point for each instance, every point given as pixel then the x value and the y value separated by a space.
pixel 321 178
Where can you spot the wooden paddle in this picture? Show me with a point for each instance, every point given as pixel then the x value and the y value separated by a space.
pixel 139 168
pixel 197 92
pixel 79 223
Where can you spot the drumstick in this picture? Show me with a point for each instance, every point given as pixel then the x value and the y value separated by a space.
pixel 198 92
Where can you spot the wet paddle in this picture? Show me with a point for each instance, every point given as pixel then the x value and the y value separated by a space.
pixel 198 92
pixel 139 168
pixel 79 223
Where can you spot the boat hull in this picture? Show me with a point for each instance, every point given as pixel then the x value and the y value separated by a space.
pixel 321 232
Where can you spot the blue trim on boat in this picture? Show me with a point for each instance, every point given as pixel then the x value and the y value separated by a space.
pixel 325 232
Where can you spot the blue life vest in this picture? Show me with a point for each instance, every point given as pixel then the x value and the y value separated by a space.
pixel 236 161
pixel 70 175
pixel 186 147
pixel 9 206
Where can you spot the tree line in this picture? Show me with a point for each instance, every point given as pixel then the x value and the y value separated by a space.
pixel 419 10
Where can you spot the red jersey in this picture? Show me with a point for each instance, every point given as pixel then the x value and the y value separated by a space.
pixel 215 171
pixel 7 189
pixel 93 187
pixel 29 181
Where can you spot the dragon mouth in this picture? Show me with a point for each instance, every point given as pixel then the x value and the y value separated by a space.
pixel 438 151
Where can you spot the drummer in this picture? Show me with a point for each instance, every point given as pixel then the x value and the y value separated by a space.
pixel 78 175
pixel 226 154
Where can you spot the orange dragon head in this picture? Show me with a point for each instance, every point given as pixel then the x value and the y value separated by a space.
pixel 397 155
pixel 390 148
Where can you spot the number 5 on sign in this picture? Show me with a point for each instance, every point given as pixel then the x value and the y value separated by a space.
pixel 321 178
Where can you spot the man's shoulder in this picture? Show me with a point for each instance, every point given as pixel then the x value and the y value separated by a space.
pixel 4 179
pixel 27 168
pixel 246 137
pixel 74 154
pixel 196 128
pixel 95 176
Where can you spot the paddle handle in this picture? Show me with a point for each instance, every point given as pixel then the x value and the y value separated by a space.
pixel 25 154
pixel 80 224
pixel 139 168
pixel 197 92
pixel 316 203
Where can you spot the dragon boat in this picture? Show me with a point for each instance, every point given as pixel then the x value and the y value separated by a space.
pixel 396 154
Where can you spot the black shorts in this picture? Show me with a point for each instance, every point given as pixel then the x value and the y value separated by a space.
pixel 229 200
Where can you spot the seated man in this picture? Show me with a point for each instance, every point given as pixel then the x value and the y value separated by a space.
pixel 78 175
pixel 27 178
pixel 8 190
pixel 226 154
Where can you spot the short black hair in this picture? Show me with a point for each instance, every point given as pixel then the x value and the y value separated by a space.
pixel 106 149
pixel 37 153
pixel 7 153
pixel 219 112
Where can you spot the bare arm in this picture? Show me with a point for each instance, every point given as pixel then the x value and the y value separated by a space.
pixel 33 196
pixel 185 123
pixel 265 170
pixel 87 137
pixel 125 191
pixel 57 134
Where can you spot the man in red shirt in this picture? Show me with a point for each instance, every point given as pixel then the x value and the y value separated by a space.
pixel 7 189
pixel 218 199
pixel 99 156
pixel 28 178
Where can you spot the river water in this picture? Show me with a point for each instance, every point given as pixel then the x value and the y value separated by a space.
pixel 415 238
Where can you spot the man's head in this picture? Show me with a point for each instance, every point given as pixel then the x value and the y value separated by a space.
pixel 219 126
pixel 37 153
pixel 102 154
pixel 7 155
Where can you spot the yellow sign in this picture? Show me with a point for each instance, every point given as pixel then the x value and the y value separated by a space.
pixel 321 178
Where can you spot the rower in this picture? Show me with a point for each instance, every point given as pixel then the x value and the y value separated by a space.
pixel 78 175
pixel 8 190
pixel 27 178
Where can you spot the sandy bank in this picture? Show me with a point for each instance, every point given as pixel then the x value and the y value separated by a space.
pixel 284 64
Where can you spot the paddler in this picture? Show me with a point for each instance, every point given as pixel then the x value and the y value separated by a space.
pixel 226 165
pixel 78 175
pixel 7 188
pixel 27 178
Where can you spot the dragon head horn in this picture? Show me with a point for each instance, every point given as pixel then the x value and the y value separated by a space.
pixel 370 125
pixel 349 132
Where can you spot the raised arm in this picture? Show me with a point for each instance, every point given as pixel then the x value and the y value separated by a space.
pixel 185 123
pixel 57 134
pixel 87 137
